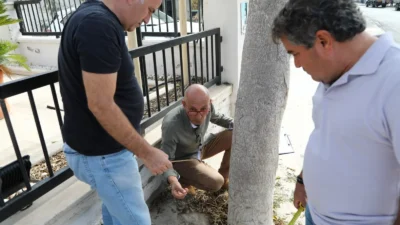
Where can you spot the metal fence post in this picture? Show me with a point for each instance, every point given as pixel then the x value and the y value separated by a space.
pixel 15 144
pixel 218 41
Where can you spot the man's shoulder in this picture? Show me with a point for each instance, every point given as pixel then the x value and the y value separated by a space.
pixel 172 117
pixel 94 15
pixel 394 48
pixel 386 79
pixel 393 55
pixel 390 66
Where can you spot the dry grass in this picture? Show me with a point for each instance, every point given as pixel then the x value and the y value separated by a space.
pixel 40 171
pixel 213 204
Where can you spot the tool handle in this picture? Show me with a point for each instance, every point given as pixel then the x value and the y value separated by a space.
pixel 182 160
pixel 296 215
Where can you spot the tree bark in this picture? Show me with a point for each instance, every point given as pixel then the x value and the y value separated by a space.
pixel 260 105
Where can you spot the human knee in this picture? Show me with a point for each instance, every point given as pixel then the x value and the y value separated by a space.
pixel 216 183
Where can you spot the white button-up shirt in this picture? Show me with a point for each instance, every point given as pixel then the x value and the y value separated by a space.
pixel 352 161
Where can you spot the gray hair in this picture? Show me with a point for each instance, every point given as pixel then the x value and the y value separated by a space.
pixel 300 20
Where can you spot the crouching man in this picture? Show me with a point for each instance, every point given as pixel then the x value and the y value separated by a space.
pixel 183 139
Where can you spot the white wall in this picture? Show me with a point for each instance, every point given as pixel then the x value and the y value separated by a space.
pixel 226 15
pixel 40 51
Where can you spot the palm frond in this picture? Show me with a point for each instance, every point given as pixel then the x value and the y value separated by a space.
pixel 7 58
pixel 19 60
pixel 5 20
pixel 6 47
pixel 3 8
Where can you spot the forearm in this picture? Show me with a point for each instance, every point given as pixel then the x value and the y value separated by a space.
pixel 170 174
pixel 222 120
pixel 172 179
pixel 118 126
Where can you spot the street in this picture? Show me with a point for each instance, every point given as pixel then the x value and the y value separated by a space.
pixel 388 19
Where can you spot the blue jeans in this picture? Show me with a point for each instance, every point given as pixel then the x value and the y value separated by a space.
pixel 117 181
pixel 309 220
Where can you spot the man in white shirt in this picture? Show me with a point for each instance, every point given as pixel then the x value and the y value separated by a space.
pixel 351 171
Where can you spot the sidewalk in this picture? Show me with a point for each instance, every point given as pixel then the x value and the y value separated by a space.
pixel 298 124
pixel 24 125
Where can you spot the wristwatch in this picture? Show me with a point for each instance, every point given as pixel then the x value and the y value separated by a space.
pixel 300 180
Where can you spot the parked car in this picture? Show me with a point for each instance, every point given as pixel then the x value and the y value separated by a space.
pixel 159 22
pixel 397 5
pixel 376 3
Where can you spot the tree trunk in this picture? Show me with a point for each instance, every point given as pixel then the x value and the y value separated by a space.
pixel 261 101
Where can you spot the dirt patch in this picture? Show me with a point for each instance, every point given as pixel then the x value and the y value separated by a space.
pixel 212 204
pixel 40 171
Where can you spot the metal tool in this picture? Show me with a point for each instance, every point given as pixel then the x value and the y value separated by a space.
pixel 181 160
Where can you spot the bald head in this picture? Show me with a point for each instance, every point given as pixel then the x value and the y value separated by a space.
pixel 196 92
pixel 196 103
pixel 131 13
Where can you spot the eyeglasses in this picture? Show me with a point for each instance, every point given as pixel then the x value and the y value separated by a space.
pixel 193 112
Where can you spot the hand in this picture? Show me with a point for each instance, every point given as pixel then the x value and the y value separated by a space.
pixel 177 191
pixel 156 161
pixel 300 196
pixel 230 126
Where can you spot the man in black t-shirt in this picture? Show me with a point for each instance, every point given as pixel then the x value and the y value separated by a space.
pixel 103 106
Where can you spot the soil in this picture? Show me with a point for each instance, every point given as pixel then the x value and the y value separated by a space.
pixel 40 172
pixel 213 204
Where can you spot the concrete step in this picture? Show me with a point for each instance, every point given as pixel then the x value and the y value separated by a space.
pixel 74 203
pixel 53 204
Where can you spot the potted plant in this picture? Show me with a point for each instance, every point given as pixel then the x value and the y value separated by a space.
pixel 6 48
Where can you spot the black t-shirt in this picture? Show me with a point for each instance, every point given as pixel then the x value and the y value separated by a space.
pixel 93 40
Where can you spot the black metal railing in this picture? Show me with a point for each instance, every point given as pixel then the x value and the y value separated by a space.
pixel 203 62
pixel 15 175
pixel 48 17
